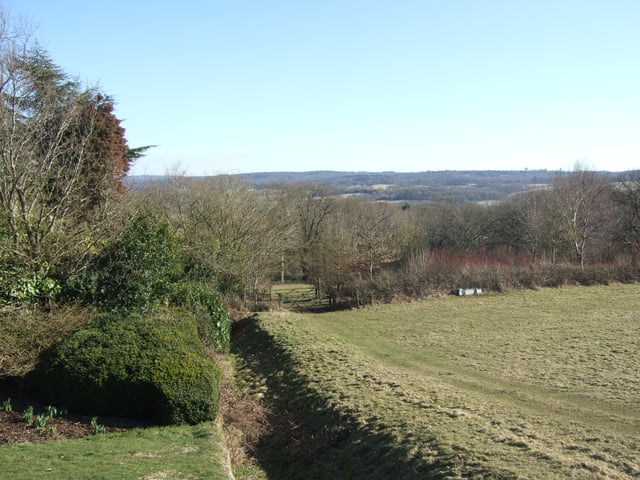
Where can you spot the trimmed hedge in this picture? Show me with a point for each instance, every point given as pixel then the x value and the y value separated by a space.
pixel 153 368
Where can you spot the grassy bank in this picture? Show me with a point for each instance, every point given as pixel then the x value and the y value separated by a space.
pixel 168 453
pixel 530 384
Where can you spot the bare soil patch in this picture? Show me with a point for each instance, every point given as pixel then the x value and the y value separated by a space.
pixel 14 428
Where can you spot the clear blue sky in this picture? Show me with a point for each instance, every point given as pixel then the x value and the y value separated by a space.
pixel 237 86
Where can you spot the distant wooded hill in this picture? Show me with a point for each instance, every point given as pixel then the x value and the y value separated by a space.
pixel 437 186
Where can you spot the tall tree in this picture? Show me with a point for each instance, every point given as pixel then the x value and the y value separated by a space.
pixel 313 208
pixel 376 241
pixel 582 201
pixel 542 226
pixel 361 238
pixel 627 197
pixel 461 228
pixel 62 154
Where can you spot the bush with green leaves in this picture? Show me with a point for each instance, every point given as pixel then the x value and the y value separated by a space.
pixel 21 285
pixel 211 315
pixel 153 368
pixel 135 272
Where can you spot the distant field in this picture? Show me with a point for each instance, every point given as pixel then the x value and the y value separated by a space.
pixel 530 384
pixel 295 295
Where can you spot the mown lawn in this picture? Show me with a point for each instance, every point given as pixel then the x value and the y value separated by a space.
pixel 530 384
pixel 158 453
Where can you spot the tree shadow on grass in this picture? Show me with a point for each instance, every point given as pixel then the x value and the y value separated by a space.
pixel 311 439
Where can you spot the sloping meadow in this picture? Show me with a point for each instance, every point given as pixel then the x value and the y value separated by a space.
pixel 530 384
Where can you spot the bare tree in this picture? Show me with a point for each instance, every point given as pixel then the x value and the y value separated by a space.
pixel 233 232
pixel 375 235
pixel 627 197
pixel 581 199
pixel 461 228
pixel 360 239
pixel 543 227
pixel 313 206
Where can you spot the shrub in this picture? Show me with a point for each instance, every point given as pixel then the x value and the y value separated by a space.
pixel 21 285
pixel 154 369
pixel 206 305
pixel 135 272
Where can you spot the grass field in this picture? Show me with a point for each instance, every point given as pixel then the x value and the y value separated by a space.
pixel 531 384
pixel 158 453
pixel 295 295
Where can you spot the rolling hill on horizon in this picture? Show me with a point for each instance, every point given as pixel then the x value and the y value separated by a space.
pixel 431 186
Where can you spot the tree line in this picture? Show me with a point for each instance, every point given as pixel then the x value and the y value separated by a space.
pixel 581 228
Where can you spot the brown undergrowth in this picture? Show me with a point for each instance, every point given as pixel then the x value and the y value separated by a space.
pixel 243 413
pixel 25 333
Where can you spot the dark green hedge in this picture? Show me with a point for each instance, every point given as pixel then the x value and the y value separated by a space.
pixel 153 368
